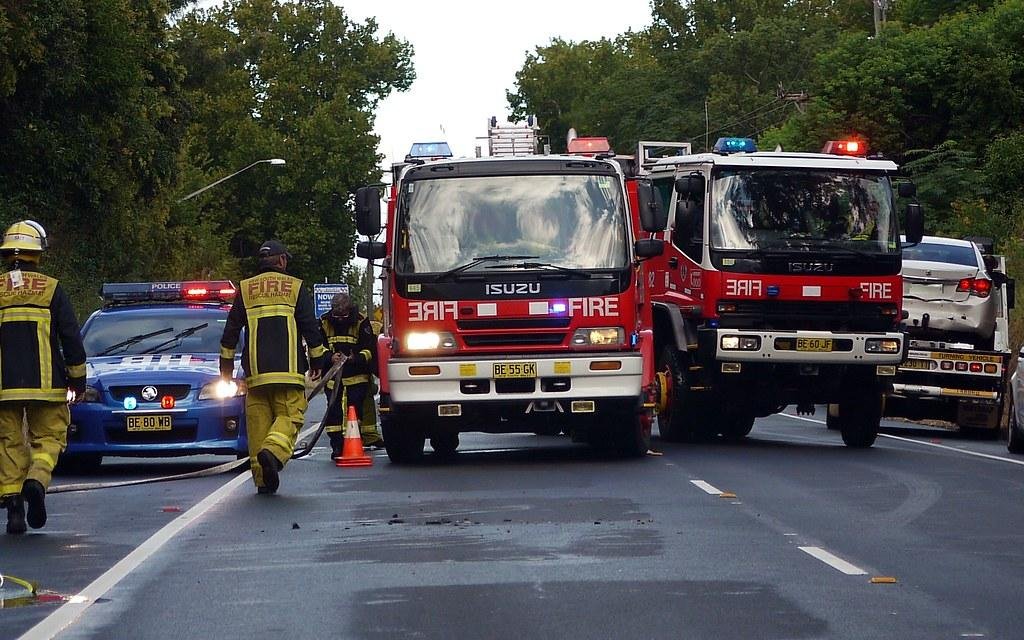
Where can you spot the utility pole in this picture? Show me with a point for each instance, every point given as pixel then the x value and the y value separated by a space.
pixel 707 126
pixel 879 8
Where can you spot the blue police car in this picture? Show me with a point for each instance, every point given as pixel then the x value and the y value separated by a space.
pixel 153 380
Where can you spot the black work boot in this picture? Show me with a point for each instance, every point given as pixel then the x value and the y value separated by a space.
pixel 337 443
pixel 270 466
pixel 15 514
pixel 35 498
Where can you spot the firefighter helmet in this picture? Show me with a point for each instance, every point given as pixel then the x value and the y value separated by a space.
pixel 26 236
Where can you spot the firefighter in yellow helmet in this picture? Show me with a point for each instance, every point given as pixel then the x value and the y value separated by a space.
pixel 348 335
pixel 41 358
pixel 277 314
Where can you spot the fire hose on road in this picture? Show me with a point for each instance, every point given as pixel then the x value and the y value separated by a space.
pixel 305 446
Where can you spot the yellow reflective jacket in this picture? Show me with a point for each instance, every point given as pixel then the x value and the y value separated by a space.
pixel 276 312
pixel 41 352
pixel 357 342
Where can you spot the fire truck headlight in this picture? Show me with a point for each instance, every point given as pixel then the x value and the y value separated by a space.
pixel 598 337
pixel 429 340
pixel 882 345
pixel 741 343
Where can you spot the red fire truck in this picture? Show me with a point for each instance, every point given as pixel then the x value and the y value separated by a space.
pixel 779 285
pixel 512 302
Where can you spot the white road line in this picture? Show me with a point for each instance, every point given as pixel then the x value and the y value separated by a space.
pixel 833 561
pixel 72 610
pixel 968 452
pixel 69 612
pixel 706 487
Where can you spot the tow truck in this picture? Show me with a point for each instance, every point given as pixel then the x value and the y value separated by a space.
pixel 512 302
pixel 780 284
pixel 958 365
pixel 153 385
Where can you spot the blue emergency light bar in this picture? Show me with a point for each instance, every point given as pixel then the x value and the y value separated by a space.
pixel 735 145
pixel 430 150
pixel 190 291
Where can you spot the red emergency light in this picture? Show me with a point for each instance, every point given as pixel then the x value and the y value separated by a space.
pixel 589 146
pixel 208 290
pixel 846 148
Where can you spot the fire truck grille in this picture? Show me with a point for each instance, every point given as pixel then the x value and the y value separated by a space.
pixel 812 316
pixel 514 323
pixel 513 339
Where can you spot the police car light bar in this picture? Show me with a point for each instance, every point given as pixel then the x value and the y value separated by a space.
pixel 193 291
pixel 735 145
pixel 845 148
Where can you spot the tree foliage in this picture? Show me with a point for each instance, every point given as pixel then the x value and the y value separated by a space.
pixel 297 81
pixel 111 110
pixel 90 127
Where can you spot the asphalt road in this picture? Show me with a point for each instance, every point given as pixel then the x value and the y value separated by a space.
pixel 527 536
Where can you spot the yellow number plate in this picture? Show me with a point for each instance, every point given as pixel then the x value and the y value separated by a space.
pixel 515 369
pixel 923 365
pixel 149 423
pixel 814 344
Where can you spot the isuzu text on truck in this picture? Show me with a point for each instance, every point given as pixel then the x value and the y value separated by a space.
pixel 512 303
pixel 779 285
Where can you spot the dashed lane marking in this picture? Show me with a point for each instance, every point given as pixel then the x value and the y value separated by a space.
pixel 834 561
pixel 707 488
pixel 968 452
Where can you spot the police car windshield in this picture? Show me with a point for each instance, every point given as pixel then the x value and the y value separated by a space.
pixel 573 221
pixel 107 330
pixel 773 209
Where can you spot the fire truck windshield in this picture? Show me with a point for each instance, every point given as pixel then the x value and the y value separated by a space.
pixel 787 209
pixel 571 221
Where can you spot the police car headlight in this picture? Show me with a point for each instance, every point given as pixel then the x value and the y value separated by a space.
pixel 91 394
pixel 222 389
pixel 599 337
pixel 429 340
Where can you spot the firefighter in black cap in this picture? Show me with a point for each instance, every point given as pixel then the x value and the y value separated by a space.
pixel 348 335
pixel 277 314
pixel 41 358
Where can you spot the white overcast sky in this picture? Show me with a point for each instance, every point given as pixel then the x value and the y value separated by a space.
pixel 466 54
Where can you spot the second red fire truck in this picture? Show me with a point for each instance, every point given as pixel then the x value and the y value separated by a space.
pixel 779 285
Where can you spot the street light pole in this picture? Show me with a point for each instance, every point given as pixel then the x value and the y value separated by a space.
pixel 277 162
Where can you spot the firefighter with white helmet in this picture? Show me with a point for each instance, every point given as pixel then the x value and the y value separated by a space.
pixel 41 358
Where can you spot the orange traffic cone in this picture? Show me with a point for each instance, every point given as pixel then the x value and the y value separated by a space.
pixel 352 454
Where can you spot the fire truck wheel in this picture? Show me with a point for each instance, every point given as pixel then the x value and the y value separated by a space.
pixel 832 417
pixel 736 427
pixel 1015 442
pixel 682 420
pixel 859 418
pixel 445 444
pixel 631 435
pixel 403 443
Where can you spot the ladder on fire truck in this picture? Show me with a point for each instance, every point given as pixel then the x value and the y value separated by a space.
pixel 512 139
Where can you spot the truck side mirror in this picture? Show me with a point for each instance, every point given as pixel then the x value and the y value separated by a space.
pixel 1010 292
pixel 368 211
pixel 371 249
pixel 907 189
pixel 648 247
pixel 914 223
pixel 690 186
pixel 653 216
